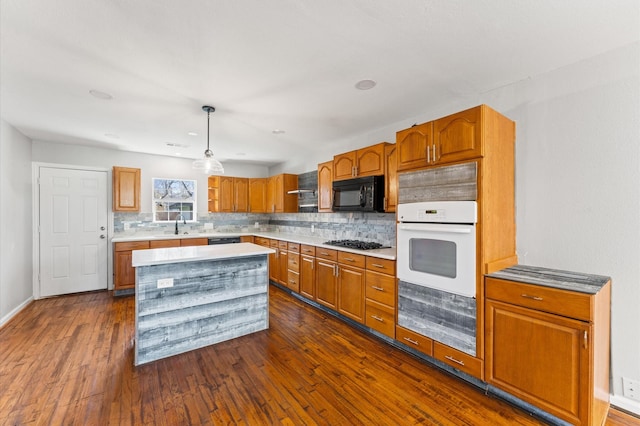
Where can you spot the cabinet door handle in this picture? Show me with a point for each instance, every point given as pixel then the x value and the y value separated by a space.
pixel 377 288
pixel 428 154
pixel 434 152
pixel 377 318
pixel 335 270
pixel 452 359
pixel 413 342
pixel 531 297
pixel 585 339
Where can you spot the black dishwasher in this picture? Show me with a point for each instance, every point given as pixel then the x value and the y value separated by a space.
pixel 223 240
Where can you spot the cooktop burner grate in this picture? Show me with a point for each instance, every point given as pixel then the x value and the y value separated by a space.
pixel 355 244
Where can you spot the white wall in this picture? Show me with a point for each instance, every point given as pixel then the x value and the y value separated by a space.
pixel 577 180
pixel 151 166
pixel 15 221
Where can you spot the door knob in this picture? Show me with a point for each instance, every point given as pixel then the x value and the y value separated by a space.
pixel 102 236
pixel 102 228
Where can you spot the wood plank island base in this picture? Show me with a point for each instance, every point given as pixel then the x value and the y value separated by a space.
pixel 191 297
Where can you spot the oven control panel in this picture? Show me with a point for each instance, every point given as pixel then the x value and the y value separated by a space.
pixel 438 212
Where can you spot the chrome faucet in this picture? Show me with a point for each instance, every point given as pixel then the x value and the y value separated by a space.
pixel 184 222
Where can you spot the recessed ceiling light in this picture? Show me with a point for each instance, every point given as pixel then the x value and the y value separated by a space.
pixel 365 84
pixel 192 134
pixel 100 95
pixel 177 145
pixel 112 136
pixel 277 131
pixel 178 154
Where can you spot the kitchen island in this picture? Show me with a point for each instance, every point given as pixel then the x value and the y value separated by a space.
pixel 191 297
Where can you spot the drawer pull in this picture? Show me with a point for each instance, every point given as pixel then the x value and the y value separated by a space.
pixel 377 265
pixel 377 288
pixel 349 259
pixel 292 281
pixel 452 359
pixel 413 342
pixel 324 253
pixel 377 318
pixel 531 297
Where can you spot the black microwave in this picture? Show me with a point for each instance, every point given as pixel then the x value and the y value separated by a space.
pixel 365 194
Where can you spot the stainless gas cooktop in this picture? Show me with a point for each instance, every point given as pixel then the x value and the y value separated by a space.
pixel 355 244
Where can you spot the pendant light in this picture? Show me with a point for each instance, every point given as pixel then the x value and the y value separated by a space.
pixel 208 164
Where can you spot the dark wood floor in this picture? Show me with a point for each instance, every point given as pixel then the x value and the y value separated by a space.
pixel 69 360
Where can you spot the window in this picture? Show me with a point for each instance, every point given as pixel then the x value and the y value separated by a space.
pixel 174 199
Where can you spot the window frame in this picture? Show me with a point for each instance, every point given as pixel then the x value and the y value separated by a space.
pixel 171 218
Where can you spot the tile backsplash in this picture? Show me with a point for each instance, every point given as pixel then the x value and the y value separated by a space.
pixel 378 227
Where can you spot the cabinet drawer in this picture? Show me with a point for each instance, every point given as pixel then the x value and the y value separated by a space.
pixel 293 247
pixel 164 243
pixel 562 302
pixel 131 245
pixel 187 242
pixel 457 359
pixel 385 266
pixel 414 340
pixel 327 254
pixel 293 262
pixel 293 281
pixel 283 245
pixel 274 243
pixel 381 288
pixel 308 250
pixel 380 317
pixel 261 241
pixel 351 259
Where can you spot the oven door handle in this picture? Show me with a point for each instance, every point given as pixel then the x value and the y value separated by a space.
pixel 447 229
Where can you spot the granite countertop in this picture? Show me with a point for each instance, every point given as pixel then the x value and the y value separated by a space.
pixel 160 256
pixel 383 253
pixel 555 278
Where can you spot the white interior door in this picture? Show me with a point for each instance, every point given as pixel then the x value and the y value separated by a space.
pixel 73 231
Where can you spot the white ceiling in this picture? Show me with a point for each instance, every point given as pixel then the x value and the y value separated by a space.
pixel 282 64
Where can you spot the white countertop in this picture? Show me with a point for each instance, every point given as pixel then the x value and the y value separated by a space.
pixel 385 253
pixel 161 256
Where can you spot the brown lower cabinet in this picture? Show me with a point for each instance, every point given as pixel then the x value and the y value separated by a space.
pixel 124 275
pixel 550 347
pixel 351 285
pixel 327 277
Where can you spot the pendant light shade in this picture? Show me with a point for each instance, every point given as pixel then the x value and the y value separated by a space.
pixel 208 164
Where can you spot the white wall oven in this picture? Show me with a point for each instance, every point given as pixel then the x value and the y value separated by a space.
pixel 437 245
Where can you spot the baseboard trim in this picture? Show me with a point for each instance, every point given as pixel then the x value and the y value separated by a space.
pixel 626 404
pixel 4 320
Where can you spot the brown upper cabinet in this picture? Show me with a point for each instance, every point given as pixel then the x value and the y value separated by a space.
pixel 126 189
pixel 228 194
pixel 456 137
pixel 368 161
pixel 278 199
pixel 258 195
pixel 391 178
pixel 325 186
